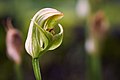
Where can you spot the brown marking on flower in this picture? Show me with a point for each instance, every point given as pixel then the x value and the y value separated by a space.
pixel 51 31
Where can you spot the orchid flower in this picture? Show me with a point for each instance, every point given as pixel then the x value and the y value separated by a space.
pixel 42 36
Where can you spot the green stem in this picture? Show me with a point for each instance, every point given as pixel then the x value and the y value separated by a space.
pixel 35 63
pixel 18 72
pixel 94 67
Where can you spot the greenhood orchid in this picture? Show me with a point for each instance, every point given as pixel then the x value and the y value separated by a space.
pixel 41 35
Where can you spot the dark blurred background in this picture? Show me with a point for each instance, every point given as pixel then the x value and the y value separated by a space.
pixel 68 61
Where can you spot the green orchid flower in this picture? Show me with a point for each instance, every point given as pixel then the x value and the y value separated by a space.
pixel 41 34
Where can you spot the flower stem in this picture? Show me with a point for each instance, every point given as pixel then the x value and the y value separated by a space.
pixel 35 64
pixel 94 67
pixel 18 72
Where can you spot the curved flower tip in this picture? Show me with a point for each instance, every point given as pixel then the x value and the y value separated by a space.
pixel 41 34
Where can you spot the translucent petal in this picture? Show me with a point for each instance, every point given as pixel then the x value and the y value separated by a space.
pixel 32 44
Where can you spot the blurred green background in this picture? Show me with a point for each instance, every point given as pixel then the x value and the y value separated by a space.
pixel 68 61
